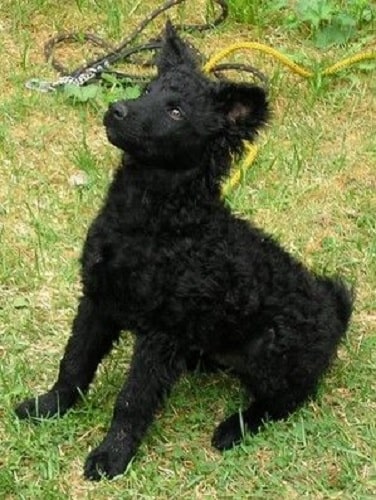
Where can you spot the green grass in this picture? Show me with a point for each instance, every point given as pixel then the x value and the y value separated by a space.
pixel 312 185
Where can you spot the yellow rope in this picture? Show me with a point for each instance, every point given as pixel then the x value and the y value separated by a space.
pixel 295 68
pixel 258 46
pixel 238 173
pixel 349 61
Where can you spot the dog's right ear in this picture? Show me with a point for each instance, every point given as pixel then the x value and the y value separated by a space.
pixel 174 51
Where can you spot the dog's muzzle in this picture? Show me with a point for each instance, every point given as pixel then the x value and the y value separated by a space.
pixel 115 122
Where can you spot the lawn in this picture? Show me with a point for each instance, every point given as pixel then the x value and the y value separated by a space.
pixel 313 185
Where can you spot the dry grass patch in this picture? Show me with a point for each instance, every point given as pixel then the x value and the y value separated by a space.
pixel 312 185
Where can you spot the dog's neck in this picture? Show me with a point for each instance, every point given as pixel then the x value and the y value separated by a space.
pixel 139 197
pixel 156 183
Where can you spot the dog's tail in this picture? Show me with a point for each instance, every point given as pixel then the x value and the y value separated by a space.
pixel 344 296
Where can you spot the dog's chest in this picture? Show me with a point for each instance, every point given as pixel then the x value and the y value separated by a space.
pixel 133 268
pixel 147 261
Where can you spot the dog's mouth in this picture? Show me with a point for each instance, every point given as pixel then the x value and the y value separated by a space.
pixel 112 136
pixel 118 133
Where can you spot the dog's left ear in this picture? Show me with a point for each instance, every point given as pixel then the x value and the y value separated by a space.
pixel 245 108
pixel 174 51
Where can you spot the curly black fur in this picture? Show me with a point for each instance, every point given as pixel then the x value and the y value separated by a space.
pixel 167 260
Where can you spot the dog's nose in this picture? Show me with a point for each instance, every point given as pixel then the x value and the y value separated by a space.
pixel 119 110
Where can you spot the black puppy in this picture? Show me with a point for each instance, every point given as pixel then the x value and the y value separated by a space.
pixel 167 260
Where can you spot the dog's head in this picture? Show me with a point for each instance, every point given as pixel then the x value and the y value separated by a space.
pixel 182 117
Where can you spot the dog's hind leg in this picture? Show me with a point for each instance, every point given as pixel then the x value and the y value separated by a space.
pixel 231 431
pixel 92 338
pixel 155 366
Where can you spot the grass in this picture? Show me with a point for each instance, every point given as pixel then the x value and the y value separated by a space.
pixel 312 185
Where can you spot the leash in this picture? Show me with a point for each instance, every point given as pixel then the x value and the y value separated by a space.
pixel 93 70
pixel 96 69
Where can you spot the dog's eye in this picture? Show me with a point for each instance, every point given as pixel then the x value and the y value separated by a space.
pixel 175 113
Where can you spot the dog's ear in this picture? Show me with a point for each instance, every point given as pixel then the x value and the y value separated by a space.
pixel 244 106
pixel 174 51
pixel 244 110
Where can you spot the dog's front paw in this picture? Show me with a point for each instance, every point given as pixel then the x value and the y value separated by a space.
pixel 106 461
pixel 48 405
pixel 228 433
